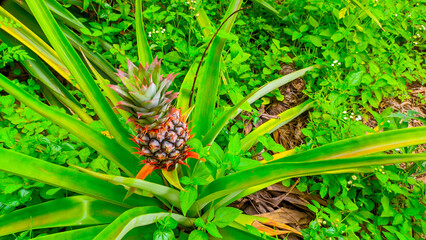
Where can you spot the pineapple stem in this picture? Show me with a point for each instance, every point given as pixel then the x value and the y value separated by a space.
pixel 205 51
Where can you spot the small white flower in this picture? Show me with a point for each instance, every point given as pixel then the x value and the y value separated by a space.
pixel 332 64
pixel 397 149
pixel 352 113
pixel 409 15
pixel 396 15
pixel 354 177
pixel 415 43
pixel 388 121
pixel 149 33
pixel 418 35
pixel 335 61
pixel 345 118
pixel 340 63
pixel 344 112
pixel 349 182
pixel 197 14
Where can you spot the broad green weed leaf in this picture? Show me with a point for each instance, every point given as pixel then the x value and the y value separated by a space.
pixel 314 23
pixel 354 79
pixel 166 234
pixel 315 40
pixel 198 235
pixel 234 146
pixel 187 198
pixel 211 215
pixel 312 208
pixel 339 204
pixel 12 188
pixel 7 135
pixel 388 211
pixel 84 154
pixel 7 101
pixel 226 215
pixel 212 229
pixel 173 57
pixel 351 206
pixel 52 191
pixel 169 222
pixel 337 36
pixel 199 222
pixel 99 163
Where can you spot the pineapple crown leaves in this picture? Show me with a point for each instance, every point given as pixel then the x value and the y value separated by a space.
pixel 144 93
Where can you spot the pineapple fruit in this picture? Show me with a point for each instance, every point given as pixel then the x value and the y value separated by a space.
pixel 162 131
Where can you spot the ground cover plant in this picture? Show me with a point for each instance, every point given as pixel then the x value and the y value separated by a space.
pixel 65 136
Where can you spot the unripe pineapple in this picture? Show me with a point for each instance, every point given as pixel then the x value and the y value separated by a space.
pixel 162 131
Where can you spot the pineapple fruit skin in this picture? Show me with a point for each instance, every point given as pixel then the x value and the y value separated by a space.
pixel 162 131
pixel 166 146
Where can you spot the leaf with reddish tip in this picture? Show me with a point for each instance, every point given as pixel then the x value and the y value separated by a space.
pixel 142 174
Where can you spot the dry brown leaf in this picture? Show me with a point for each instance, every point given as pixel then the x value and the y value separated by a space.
pixel 269 231
pixel 287 216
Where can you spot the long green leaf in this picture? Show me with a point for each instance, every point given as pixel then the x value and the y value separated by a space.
pixel 71 211
pixel 79 71
pixel 55 175
pixel 136 217
pixel 23 13
pixel 185 88
pixel 51 99
pixel 359 146
pixel 369 13
pixel 144 51
pixel 39 70
pixel 109 93
pixel 204 22
pixel 94 57
pixel 233 233
pixel 60 12
pixel 33 42
pixel 276 172
pixel 87 233
pixel 273 124
pixel 225 201
pixel 268 7
pixel 208 85
pixel 169 194
pixel 105 146
pixel 251 98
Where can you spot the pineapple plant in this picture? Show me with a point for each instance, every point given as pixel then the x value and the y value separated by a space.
pixel 162 130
